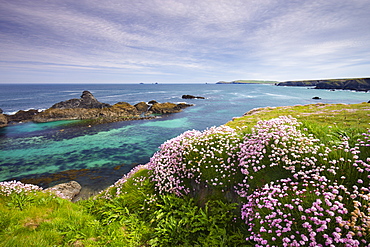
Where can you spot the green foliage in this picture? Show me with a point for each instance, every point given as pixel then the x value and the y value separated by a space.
pixel 20 200
pixel 45 220
pixel 180 222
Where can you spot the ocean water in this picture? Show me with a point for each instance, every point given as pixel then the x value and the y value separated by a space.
pixel 31 149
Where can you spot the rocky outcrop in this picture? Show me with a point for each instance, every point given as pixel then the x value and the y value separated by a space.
pixel 357 84
pixel 66 190
pixel 142 107
pixel 165 108
pixel 23 116
pixel 89 108
pixel 117 112
pixel 187 96
pixel 68 110
pixel 346 84
pixel 3 120
pixel 86 101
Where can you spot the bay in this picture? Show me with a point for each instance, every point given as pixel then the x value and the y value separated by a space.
pixel 30 149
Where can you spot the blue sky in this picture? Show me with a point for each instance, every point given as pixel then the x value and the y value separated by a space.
pixel 183 41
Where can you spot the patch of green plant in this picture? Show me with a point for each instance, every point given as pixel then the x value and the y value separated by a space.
pixel 180 222
pixel 40 219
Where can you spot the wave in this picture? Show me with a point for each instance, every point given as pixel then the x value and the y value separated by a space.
pixel 14 112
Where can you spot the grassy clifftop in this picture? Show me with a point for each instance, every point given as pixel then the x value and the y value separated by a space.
pixel 284 176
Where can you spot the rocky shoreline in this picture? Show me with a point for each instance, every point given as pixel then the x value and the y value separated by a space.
pixel 87 107
pixel 356 84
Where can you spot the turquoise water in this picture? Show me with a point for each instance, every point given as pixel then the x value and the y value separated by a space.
pixel 37 148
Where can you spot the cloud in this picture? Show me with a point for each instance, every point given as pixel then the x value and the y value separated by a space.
pixel 185 40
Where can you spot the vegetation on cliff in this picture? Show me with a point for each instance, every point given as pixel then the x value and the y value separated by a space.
pixel 285 176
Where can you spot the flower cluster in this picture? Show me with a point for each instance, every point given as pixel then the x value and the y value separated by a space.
pixel 277 142
pixel 307 213
pixel 195 160
pixel 17 187
pixel 167 164
pixel 324 201
pixel 118 184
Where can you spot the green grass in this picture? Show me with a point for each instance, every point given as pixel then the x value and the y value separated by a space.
pixel 340 116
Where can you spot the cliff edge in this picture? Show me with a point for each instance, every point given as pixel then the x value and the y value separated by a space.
pixel 357 84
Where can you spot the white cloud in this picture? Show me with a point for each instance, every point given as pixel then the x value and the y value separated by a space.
pixel 191 40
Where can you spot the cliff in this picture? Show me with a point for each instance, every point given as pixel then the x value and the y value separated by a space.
pixel 357 84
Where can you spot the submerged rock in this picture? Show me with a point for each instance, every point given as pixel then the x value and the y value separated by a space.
pixel 66 190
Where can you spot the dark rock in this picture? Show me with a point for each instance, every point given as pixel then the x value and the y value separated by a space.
pixel 86 101
pixel 164 108
pixel 183 105
pixel 316 97
pixel 187 96
pixel 23 116
pixel 66 190
pixel 1 111
pixel 142 107
pixel 152 102
pixel 3 120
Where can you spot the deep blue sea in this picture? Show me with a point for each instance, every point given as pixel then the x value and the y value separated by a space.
pixel 29 149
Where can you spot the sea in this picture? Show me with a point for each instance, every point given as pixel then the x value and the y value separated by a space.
pixel 98 155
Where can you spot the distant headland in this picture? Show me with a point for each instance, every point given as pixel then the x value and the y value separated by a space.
pixel 247 82
pixel 356 84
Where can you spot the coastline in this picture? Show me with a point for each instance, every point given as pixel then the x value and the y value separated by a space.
pixel 62 137
pixel 95 180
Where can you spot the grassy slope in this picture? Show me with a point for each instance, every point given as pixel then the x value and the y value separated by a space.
pixel 129 220
pixel 348 116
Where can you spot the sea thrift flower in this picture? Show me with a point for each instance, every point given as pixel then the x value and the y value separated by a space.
pixel 17 187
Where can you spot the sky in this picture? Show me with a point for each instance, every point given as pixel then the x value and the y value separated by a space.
pixel 182 41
